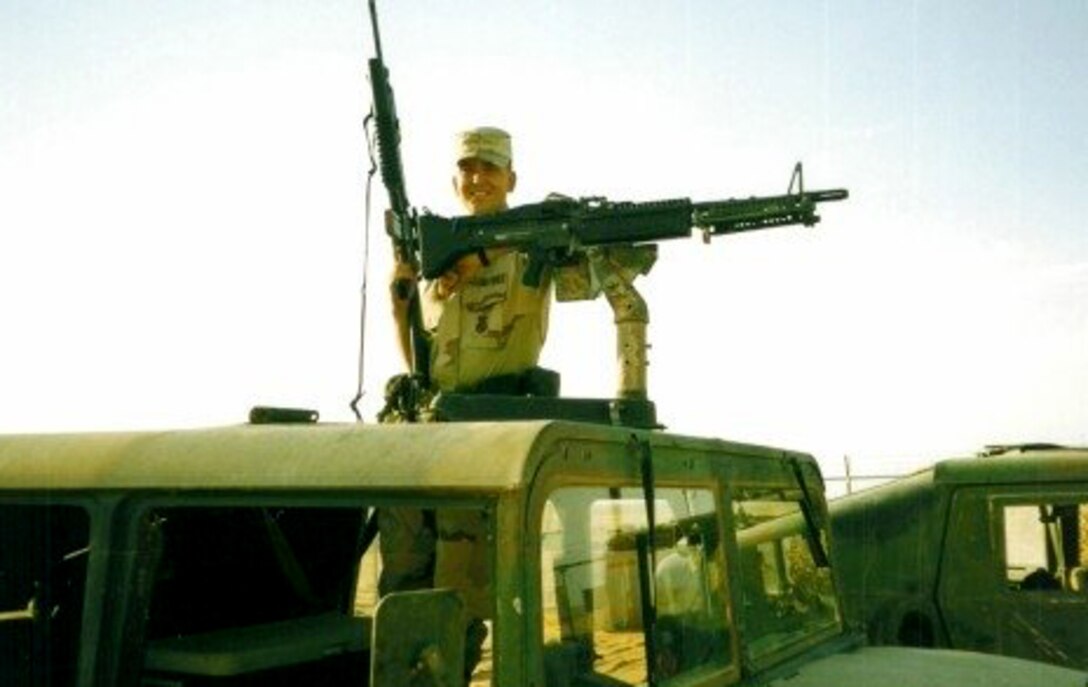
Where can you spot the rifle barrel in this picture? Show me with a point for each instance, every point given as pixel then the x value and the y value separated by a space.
pixel 829 195
pixel 374 28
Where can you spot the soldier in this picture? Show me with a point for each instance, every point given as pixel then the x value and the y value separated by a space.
pixel 486 330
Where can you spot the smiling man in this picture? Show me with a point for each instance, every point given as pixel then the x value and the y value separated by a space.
pixel 485 174
pixel 486 328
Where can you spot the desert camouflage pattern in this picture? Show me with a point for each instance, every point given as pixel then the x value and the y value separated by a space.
pixel 493 326
pixel 485 143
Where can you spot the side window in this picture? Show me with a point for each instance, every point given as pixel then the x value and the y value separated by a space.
pixel 1046 546
pixel 43 570
pixel 242 593
pixel 787 597
pixel 602 574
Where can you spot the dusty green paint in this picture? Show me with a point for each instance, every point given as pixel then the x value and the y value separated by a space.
pixel 319 456
pixel 921 559
pixel 143 489
pixel 1035 467
pixel 493 456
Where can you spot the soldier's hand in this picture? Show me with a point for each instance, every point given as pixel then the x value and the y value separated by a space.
pixel 463 270
pixel 402 284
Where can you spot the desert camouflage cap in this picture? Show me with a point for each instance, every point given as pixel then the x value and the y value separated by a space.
pixel 486 143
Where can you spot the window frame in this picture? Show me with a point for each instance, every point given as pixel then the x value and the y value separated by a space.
pixel 599 465
pixel 1028 496
pixel 137 506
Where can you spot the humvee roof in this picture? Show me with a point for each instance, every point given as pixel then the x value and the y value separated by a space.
pixel 270 456
pixel 1044 465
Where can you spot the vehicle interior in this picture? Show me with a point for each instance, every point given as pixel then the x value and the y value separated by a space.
pixel 254 595
pixel 43 569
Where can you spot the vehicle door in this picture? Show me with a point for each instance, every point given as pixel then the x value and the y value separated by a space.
pixel 1014 579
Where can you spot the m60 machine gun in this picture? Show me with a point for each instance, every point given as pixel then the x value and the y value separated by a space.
pixel 598 246
pixel 558 230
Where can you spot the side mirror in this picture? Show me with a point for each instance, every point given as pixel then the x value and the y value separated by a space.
pixel 418 640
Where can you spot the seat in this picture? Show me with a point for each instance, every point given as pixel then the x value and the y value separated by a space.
pixel 243 650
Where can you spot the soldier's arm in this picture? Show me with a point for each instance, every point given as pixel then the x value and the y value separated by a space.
pixel 402 271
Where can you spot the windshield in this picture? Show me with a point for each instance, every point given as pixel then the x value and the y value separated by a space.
pixel 787 598
pixel 604 584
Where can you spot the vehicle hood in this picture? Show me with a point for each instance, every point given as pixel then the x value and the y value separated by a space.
pixel 903 667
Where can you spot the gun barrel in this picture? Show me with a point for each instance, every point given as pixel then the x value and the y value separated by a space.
pixel 828 195
pixel 374 28
pixel 748 214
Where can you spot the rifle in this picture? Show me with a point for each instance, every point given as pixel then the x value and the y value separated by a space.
pixel 556 230
pixel 400 219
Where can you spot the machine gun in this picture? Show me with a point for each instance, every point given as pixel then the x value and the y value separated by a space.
pixel 557 230
pixel 598 246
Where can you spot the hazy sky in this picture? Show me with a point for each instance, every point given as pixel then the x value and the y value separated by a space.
pixel 182 193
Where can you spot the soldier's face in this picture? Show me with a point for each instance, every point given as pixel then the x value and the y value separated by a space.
pixel 482 186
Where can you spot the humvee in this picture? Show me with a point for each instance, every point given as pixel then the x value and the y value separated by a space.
pixel 988 553
pixel 245 555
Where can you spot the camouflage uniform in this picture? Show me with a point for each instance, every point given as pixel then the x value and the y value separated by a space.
pixel 491 327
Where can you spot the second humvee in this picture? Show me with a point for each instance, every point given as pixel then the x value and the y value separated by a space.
pixel 611 556
pixel 988 553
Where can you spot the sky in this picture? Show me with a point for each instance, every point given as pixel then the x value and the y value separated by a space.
pixel 182 207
